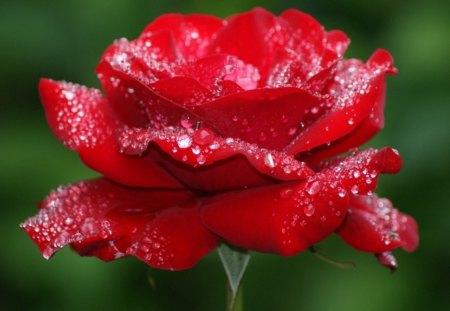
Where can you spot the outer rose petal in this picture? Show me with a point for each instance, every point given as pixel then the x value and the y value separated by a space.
pixel 357 89
pixel 211 163
pixel 82 119
pixel 100 218
pixel 374 225
pixel 289 217
pixel 193 33
pixel 337 41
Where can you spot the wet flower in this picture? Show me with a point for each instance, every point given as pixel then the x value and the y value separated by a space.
pixel 217 130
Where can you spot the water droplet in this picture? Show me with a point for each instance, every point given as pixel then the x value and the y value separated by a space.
pixel 69 95
pixel 356 174
pixel 284 118
pixel 286 193
pixel 196 150
pixel 144 248
pixel 269 161
pixel 214 145
pixel 184 141
pixel 262 136
pixel 68 221
pixel 292 131
pixel 186 122
pixel 314 187
pixel 309 210
pixel 355 189
pixel 341 192
pixel 201 159
pixel 203 136
pixel 229 141
pixel 351 121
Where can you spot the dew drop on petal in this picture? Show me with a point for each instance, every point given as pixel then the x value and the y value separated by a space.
pixel 184 141
pixel 314 187
pixel 201 159
pixel 269 161
pixel 286 193
pixel 186 122
pixel 203 136
pixel 341 192
pixel 309 210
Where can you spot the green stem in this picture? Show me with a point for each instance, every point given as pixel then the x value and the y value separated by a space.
pixel 234 302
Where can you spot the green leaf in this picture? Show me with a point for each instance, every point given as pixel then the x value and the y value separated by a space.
pixel 235 262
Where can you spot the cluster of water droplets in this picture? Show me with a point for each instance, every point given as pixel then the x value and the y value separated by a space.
pixel 198 145
pixel 68 215
pixel 386 218
pixel 151 246
pixel 323 198
pixel 80 118
pixel 320 202
pixel 144 62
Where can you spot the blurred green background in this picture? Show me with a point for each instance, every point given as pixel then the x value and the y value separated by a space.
pixel 64 40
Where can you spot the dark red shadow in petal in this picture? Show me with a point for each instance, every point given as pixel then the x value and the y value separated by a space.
pixel 103 219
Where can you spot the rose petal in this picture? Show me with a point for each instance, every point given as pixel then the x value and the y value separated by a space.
pixel 190 156
pixel 282 219
pixel 247 36
pixel 211 69
pixel 354 94
pixel 362 133
pixel 267 117
pixel 289 217
pixel 193 33
pixel 180 91
pixel 100 218
pixel 337 41
pixel 364 167
pixel 82 119
pixel 306 59
pixel 305 37
pixel 374 225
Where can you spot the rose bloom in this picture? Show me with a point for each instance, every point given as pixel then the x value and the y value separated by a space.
pixel 230 130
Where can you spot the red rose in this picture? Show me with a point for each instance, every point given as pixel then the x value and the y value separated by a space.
pixel 219 130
